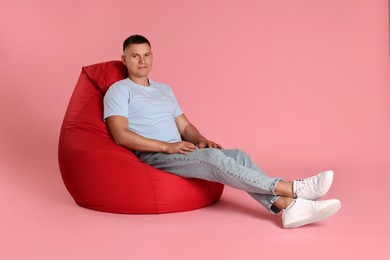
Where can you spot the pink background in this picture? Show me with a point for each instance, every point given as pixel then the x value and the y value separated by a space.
pixel 300 85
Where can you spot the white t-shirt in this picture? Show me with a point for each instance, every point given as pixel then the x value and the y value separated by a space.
pixel 151 111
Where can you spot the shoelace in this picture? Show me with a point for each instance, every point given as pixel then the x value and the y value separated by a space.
pixel 303 184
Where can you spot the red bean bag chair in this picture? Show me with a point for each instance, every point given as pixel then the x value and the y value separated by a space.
pixel 104 176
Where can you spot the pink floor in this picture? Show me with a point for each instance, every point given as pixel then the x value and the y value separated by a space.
pixel 41 221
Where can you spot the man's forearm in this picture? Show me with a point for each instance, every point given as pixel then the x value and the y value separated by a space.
pixel 118 126
pixel 191 134
pixel 137 142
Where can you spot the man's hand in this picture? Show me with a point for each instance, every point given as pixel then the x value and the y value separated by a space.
pixel 189 133
pixel 180 147
pixel 204 143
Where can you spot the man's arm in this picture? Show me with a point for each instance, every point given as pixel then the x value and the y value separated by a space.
pixel 191 134
pixel 118 126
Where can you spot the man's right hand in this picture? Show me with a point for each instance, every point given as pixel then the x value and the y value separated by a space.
pixel 182 147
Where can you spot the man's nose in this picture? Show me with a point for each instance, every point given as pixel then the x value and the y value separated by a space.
pixel 141 60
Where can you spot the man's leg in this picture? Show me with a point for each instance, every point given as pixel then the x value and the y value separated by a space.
pixel 212 165
pixel 274 203
pixel 217 165
pixel 231 167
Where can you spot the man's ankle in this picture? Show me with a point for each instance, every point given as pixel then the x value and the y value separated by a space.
pixel 285 188
pixel 283 202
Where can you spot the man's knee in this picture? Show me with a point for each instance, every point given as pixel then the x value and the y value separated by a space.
pixel 235 153
pixel 214 152
pixel 210 153
pixel 240 152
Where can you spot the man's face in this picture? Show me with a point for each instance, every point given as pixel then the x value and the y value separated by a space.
pixel 138 59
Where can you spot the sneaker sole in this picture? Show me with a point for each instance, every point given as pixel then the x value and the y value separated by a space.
pixel 319 215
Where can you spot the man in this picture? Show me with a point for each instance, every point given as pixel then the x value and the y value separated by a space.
pixel 144 116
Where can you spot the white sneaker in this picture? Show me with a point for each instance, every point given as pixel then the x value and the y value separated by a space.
pixel 302 212
pixel 314 187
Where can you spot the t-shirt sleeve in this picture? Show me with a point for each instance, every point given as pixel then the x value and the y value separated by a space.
pixel 177 108
pixel 116 102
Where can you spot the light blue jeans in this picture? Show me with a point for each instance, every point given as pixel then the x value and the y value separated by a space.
pixel 230 167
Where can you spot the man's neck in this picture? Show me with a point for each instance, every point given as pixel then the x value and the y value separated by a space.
pixel 140 81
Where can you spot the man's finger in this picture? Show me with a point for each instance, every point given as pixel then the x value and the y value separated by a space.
pixel 189 148
pixel 202 145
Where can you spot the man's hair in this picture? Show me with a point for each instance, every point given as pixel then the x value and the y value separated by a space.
pixel 135 39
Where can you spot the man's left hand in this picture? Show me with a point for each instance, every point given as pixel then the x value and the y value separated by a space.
pixel 208 144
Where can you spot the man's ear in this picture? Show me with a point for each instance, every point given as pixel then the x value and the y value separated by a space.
pixel 123 59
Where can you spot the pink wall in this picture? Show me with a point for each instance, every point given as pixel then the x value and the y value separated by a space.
pixel 299 84
pixel 291 82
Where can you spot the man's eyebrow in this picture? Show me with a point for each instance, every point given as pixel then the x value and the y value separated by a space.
pixel 132 53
